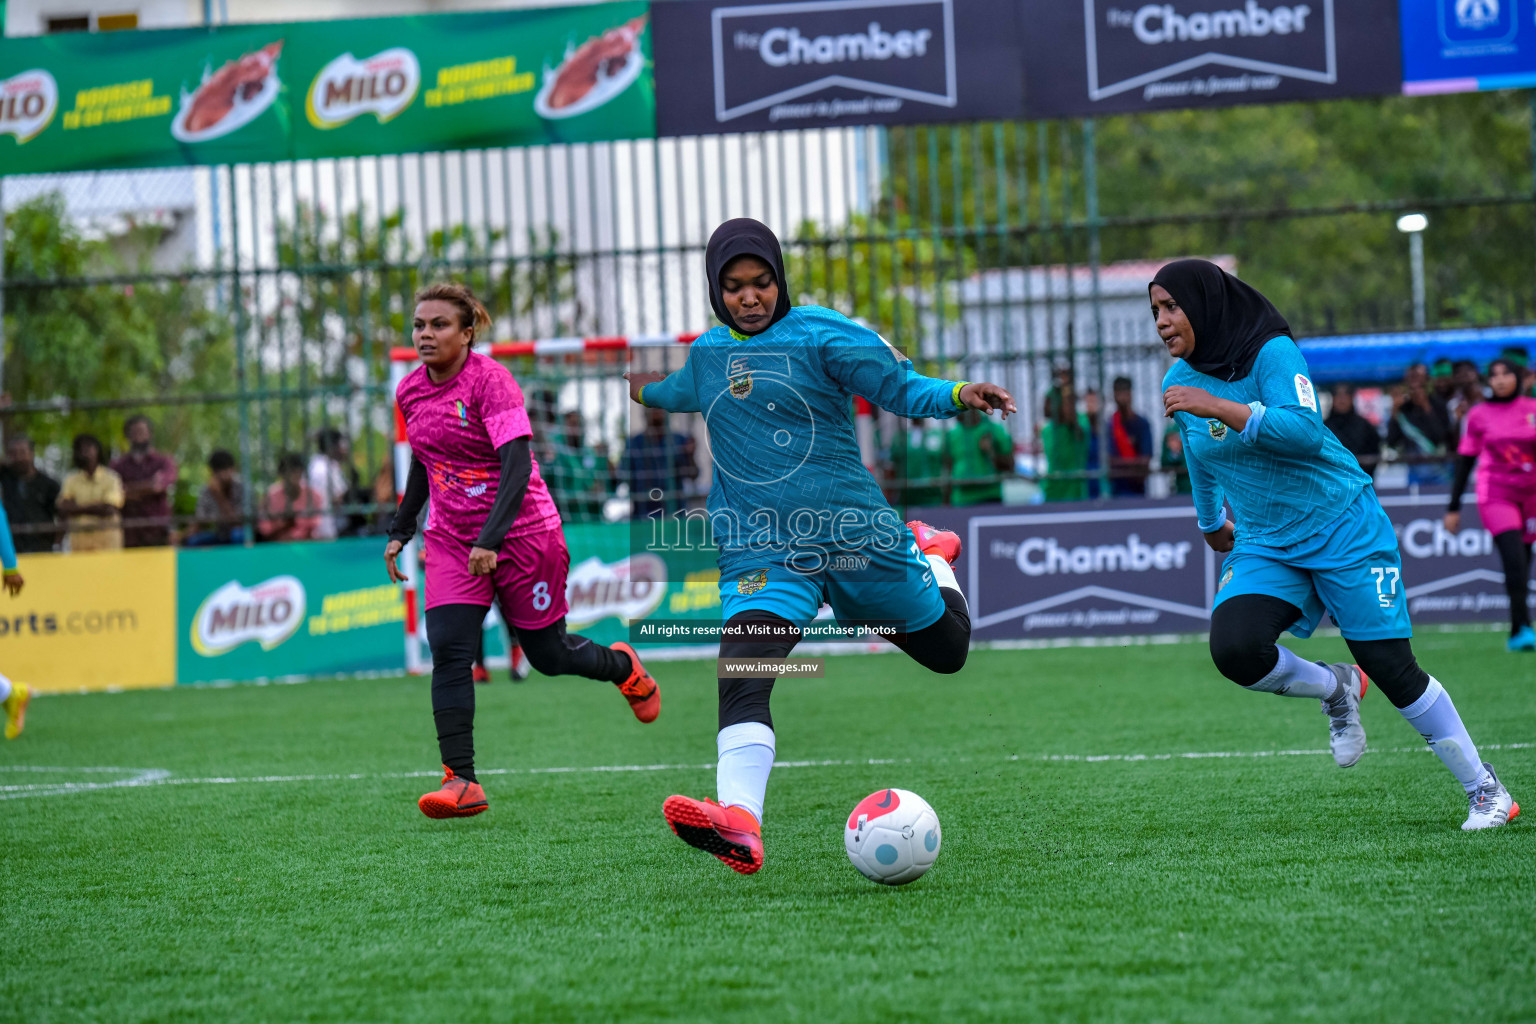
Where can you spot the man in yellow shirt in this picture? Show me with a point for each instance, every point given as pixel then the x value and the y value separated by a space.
pixel 91 500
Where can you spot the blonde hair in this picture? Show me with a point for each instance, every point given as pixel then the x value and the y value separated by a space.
pixel 472 313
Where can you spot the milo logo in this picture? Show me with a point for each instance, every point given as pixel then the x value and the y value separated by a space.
pixel 267 613
pixel 28 102
pixel 628 589
pixel 382 85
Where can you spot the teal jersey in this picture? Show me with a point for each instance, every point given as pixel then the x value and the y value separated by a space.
pixel 1285 476
pixel 789 482
pixel 7 543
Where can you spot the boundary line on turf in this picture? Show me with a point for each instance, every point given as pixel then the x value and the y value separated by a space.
pixel 141 777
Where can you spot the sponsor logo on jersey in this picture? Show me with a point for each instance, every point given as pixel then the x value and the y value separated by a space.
pixel 752 582
pixel 28 102
pixel 1217 428
pixel 628 589
pixel 267 613
pixel 382 85
pixel 1304 393
pixel 1226 577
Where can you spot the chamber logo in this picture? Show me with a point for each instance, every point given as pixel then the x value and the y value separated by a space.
pixel 382 85
pixel 1170 49
pixel 628 589
pixel 268 613
pixel 28 102
pixel 769 56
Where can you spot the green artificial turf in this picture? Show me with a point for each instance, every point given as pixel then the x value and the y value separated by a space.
pixel 1086 887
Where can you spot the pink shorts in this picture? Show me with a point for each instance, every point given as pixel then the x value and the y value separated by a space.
pixel 529 583
pixel 1507 508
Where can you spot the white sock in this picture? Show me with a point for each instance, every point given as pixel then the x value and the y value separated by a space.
pixel 5 688
pixel 1294 676
pixel 944 576
pixel 746 758
pixel 1436 719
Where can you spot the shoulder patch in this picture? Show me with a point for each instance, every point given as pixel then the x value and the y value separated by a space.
pixel 1305 395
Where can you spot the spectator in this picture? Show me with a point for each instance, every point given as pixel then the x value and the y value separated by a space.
pixel 1064 439
pixel 1130 445
pixel 329 481
pixel 1354 431
pixel 31 497
pixel 384 498
pixel 220 505
pixel 917 464
pixel 148 478
pixel 977 450
pixel 91 500
pixel 1421 426
pixel 291 511
pixel 1442 379
pixel 1469 392
pixel 657 464
pixel 1172 460
pixel 1093 405
pixel 581 478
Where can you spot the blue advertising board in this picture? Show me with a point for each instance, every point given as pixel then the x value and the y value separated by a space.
pixel 1467 45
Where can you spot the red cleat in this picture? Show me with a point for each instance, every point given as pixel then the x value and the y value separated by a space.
pixel 933 541
pixel 639 689
pixel 458 798
pixel 731 834
pixel 480 674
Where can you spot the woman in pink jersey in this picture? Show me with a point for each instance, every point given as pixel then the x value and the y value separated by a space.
pixel 1502 431
pixel 492 532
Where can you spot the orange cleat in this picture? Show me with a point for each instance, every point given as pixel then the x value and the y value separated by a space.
pixel 933 541
pixel 639 689
pixel 731 834
pixel 480 674
pixel 458 798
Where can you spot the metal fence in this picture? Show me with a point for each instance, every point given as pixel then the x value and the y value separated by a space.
pixel 250 307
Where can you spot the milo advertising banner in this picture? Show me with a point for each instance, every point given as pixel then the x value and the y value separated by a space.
pixel 468 81
pixel 282 610
pixel 243 94
pixel 142 99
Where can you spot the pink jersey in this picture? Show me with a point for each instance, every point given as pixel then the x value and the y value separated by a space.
pixel 1503 437
pixel 454 429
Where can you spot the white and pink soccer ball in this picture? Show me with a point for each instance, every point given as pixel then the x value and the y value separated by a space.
pixel 892 837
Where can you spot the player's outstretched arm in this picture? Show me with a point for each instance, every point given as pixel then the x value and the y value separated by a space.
pixel 867 365
pixel 674 392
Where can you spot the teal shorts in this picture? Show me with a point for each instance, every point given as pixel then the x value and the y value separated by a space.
pixel 896 588
pixel 1352 570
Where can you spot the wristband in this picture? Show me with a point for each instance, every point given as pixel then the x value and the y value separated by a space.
pixel 954 395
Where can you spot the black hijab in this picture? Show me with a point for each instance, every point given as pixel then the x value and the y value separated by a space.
pixel 1232 320
pixel 744 237
pixel 1510 365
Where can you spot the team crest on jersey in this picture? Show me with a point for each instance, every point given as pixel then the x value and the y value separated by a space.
pixel 738 378
pixel 752 582
pixel 1217 428
pixel 1226 578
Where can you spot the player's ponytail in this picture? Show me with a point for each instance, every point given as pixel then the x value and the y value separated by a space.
pixel 472 312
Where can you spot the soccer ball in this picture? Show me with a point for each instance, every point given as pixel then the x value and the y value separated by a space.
pixel 892 837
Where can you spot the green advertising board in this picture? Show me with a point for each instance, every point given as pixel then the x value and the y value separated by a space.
pixel 281 610
pixel 256 93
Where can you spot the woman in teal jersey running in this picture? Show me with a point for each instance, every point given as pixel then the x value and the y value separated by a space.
pixel 1307 534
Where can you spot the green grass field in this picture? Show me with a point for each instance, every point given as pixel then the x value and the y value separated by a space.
pixel 280 871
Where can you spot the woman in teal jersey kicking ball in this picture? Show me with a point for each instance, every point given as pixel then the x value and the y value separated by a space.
pixel 1307 534
pixel 797 518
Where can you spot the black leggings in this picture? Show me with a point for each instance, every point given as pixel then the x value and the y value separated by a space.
pixel 1245 628
pixel 454 633
pixel 941 647
pixel 1515 553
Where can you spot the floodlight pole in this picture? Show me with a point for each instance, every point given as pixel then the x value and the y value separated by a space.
pixel 1416 258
